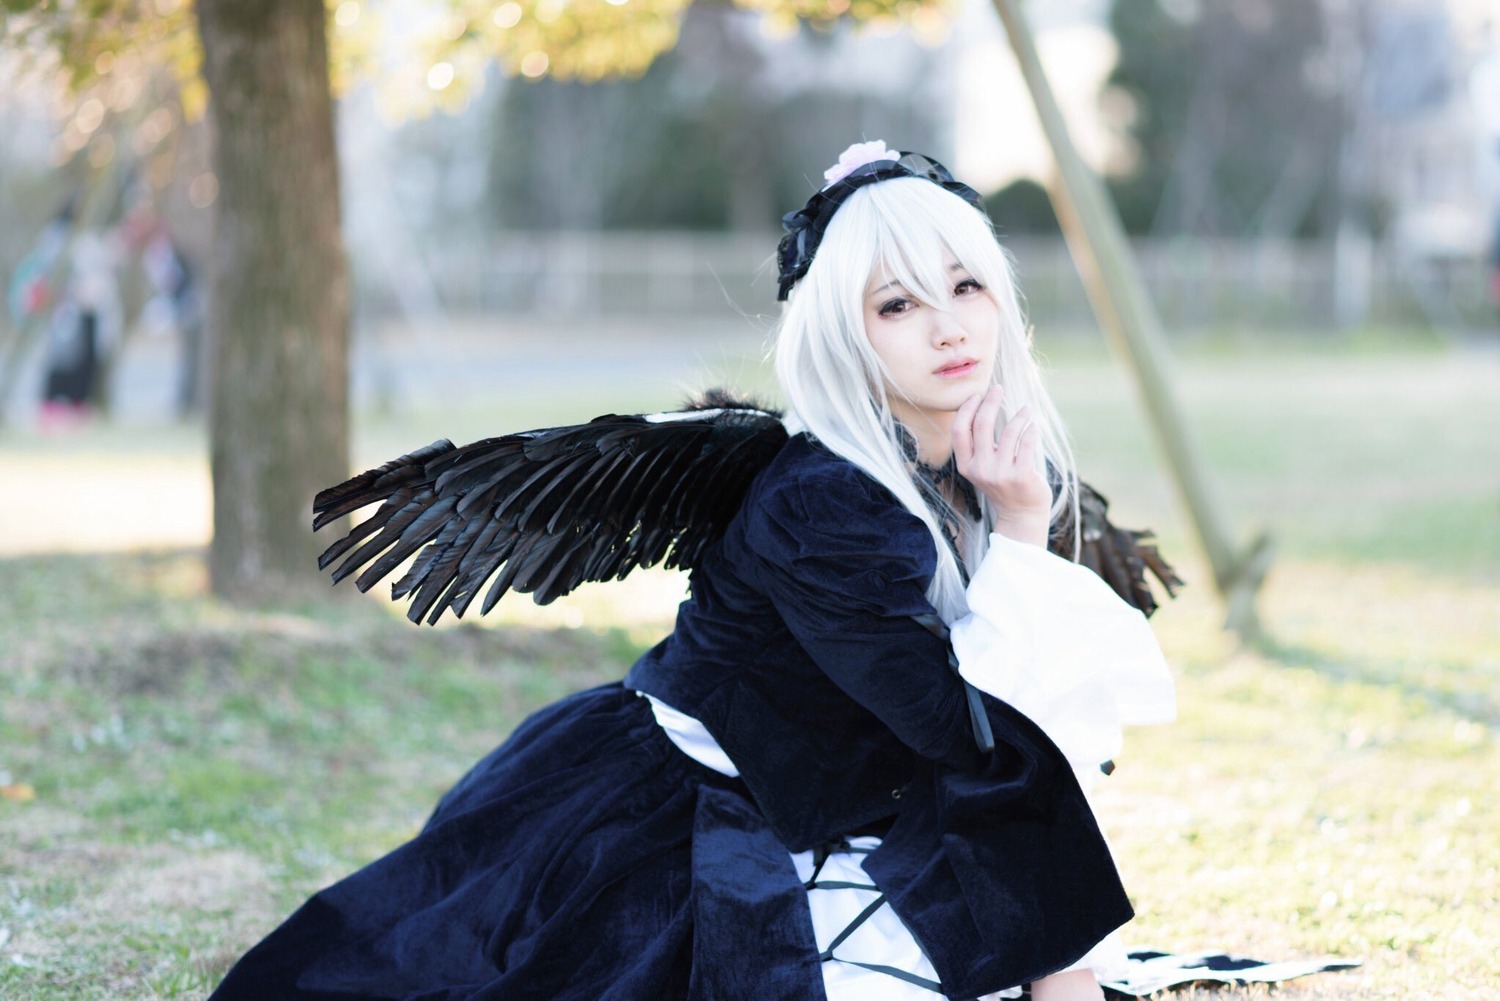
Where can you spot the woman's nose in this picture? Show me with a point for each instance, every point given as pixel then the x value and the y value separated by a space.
pixel 946 329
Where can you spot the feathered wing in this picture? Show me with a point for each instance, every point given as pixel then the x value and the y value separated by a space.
pixel 1119 555
pixel 544 511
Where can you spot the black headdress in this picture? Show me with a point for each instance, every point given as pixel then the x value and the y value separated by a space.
pixel 805 227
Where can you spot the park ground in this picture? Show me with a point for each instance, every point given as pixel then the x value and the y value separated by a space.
pixel 177 774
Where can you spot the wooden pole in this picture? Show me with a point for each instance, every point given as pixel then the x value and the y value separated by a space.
pixel 1096 240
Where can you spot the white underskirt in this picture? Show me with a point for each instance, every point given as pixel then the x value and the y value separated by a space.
pixel 883 940
pixel 1053 640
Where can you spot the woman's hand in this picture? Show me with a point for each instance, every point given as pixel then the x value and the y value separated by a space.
pixel 1075 985
pixel 1004 469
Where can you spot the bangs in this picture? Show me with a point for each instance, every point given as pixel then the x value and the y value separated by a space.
pixel 907 230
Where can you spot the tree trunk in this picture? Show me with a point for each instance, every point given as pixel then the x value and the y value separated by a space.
pixel 278 310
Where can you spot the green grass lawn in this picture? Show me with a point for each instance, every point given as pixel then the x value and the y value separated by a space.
pixel 176 775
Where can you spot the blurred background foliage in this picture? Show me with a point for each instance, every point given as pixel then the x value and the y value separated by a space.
pixel 1236 127
pixel 709 154
pixel 1362 129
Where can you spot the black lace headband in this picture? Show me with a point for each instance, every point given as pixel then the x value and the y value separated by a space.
pixel 861 164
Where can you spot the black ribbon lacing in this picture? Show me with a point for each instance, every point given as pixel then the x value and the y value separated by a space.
pixel 929 481
pixel 820 858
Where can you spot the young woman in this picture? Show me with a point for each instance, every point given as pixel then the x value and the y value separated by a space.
pixel 821 782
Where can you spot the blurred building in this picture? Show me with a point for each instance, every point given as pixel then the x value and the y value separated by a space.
pixel 1432 118
pixel 1422 151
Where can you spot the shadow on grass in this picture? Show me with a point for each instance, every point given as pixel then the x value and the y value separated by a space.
pixel 1473 705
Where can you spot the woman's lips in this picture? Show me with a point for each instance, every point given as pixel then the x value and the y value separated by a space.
pixel 957 369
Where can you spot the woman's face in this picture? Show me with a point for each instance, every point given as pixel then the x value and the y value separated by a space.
pixel 938 355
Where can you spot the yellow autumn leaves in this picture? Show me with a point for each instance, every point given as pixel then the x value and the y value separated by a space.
pixel 434 55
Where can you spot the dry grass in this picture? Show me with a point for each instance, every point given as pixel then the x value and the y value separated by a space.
pixel 1320 796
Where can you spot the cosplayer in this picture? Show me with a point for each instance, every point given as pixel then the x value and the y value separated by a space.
pixel 856 768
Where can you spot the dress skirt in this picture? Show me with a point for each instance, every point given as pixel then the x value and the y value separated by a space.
pixel 585 858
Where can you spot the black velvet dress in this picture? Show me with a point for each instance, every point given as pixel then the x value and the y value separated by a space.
pixel 588 857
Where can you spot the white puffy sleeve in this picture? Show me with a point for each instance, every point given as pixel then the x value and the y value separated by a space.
pixel 1052 639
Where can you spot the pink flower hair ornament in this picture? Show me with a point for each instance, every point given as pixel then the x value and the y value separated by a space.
pixel 857 156
pixel 859 165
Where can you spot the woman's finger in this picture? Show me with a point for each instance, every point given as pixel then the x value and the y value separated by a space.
pixel 1026 446
pixel 963 430
pixel 1011 436
pixel 985 419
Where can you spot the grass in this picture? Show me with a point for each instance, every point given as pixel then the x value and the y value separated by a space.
pixel 177 775
pixel 195 768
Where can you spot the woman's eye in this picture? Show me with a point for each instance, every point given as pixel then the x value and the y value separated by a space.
pixel 967 286
pixel 897 306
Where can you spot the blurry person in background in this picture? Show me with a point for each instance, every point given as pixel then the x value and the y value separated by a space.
pixel 31 284
pixel 68 282
pixel 85 324
pixel 175 307
pixel 1495 264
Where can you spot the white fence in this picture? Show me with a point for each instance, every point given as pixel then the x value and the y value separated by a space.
pixel 1195 284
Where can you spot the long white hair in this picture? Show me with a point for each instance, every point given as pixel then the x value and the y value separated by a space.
pixel 836 386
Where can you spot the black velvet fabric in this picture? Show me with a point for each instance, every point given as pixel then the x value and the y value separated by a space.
pixel 588 857
pixel 801 654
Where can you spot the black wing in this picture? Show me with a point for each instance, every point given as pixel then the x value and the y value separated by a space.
pixel 543 511
pixel 1119 555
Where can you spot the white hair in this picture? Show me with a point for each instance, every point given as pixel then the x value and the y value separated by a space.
pixel 836 386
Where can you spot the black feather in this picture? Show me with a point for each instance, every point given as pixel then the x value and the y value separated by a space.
pixel 1120 556
pixel 376 484
pixel 545 510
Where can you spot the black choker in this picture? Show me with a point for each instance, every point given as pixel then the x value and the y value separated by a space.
pixel 931 478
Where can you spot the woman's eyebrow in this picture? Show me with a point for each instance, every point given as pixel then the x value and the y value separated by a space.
pixel 956 266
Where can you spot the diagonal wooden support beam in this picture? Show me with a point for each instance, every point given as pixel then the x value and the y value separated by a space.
pixel 1096 240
